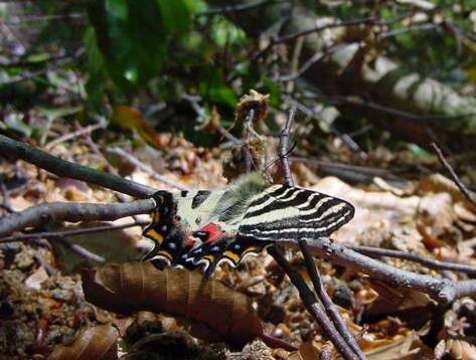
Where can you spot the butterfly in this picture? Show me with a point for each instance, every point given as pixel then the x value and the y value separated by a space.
pixel 203 228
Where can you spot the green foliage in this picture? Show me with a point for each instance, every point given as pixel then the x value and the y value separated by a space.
pixel 133 45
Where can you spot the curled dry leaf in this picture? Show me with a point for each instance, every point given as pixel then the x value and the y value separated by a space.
pixel 457 349
pixel 256 101
pixel 98 342
pixel 135 286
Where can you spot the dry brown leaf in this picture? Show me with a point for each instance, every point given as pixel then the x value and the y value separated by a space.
pixel 97 342
pixel 457 349
pixel 439 183
pixel 138 286
pixel 398 347
pixel 256 101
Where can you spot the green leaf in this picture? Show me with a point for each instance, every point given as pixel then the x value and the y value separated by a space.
pixel 176 15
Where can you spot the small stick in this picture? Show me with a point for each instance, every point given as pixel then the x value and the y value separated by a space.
pixel 429 263
pixel 312 305
pixel 136 162
pixel 59 167
pixel 78 249
pixel 66 233
pixel 462 187
pixel 5 198
pixel 283 148
pixel 73 212
pixel 87 130
pixel 248 130
pixel 327 302
pixel 335 329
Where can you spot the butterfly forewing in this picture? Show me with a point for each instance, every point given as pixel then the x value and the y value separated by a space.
pixel 291 213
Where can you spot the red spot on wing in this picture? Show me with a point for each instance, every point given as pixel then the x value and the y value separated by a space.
pixel 214 232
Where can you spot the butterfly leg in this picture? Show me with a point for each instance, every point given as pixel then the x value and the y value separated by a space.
pixel 329 306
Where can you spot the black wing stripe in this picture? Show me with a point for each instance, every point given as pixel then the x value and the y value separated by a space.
pixel 279 191
pixel 293 198
pixel 200 197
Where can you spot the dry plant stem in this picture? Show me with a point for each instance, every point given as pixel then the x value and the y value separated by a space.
pixel 430 263
pixel 284 148
pixel 73 212
pixel 442 290
pixel 329 306
pixel 247 135
pixel 65 233
pixel 330 315
pixel 462 187
pixel 312 305
pixel 136 162
pixel 239 7
pixel 87 130
pixel 78 249
pixel 18 150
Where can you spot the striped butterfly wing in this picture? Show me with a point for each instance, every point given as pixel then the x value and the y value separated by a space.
pixel 290 213
pixel 279 213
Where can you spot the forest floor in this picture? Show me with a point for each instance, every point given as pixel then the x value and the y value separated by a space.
pixel 43 308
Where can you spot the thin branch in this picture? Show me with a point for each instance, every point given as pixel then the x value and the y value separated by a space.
pixel 78 249
pixel 329 306
pixel 19 150
pixel 312 305
pixel 471 197
pixel 74 232
pixel 313 30
pixel 73 212
pixel 239 7
pixel 283 150
pixel 136 162
pixel 5 204
pixel 87 130
pixel 425 261
pixel 442 290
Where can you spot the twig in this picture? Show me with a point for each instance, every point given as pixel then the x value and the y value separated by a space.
pixel 136 162
pixel 312 305
pixel 335 327
pixel 284 148
pixel 312 30
pixel 248 132
pixel 78 249
pixel 429 263
pixel 66 233
pixel 346 138
pixel 358 101
pixel 73 212
pixel 238 7
pixel 329 306
pixel 18 150
pixel 461 186
pixel 5 198
pixel 87 130
pixel 442 290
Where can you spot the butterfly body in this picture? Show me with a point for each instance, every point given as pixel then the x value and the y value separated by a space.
pixel 204 228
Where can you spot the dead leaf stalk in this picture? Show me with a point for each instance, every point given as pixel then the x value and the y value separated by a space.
pixel 471 197
pixel 425 261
